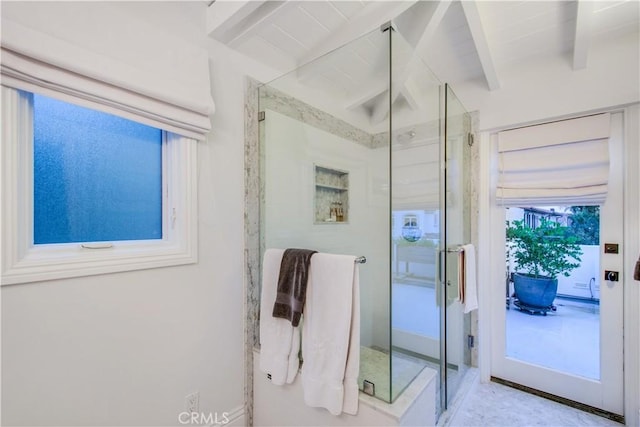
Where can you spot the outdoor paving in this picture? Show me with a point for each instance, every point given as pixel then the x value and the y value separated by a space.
pixel 567 339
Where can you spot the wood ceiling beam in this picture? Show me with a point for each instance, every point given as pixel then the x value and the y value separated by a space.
pixel 365 94
pixel 233 23
pixel 417 27
pixel 582 39
pixel 410 92
pixel 412 95
pixel 472 15
pixel 223 15
pixel 370 18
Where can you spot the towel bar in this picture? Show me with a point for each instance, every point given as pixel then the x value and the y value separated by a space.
pixel 360 260
pixel 454 250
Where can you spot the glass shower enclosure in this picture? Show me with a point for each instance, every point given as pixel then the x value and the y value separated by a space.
pixel 364 152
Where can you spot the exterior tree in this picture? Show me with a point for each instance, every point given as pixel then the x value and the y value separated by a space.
pixel 585 224
pixel 548 250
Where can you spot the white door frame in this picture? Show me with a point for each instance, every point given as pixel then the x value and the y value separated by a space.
pixel 488 243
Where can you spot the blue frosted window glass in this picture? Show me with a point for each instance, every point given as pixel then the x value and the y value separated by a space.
pixel 97 177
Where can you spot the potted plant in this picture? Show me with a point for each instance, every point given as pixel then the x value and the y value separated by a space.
pixel 540 254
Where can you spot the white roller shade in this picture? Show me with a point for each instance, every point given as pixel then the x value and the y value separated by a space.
pixel 112 64
pixel 565 162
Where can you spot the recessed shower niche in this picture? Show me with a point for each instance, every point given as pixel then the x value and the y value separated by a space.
pixel 331 195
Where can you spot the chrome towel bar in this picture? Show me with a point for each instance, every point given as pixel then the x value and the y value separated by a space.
pixel 360 260
pixel 454 250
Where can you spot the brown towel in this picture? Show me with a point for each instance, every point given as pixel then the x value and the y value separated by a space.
pixel 462 275
pixel 636 272
pixel 292 284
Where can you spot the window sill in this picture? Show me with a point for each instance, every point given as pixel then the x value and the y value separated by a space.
pixel 50 262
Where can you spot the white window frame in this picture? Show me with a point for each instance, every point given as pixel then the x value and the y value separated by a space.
pixel 24 262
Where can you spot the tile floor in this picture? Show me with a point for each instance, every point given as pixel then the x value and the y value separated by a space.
pixel 496 405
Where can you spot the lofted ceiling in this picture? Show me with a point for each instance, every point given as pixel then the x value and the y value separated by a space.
pixel 435 41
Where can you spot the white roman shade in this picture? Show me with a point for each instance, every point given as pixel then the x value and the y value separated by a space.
pixel 565 162
pixel 416 178
pixel 114 64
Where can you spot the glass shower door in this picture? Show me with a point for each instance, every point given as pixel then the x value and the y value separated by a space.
pixel 415 214
pixel 430 220
pixel 456 232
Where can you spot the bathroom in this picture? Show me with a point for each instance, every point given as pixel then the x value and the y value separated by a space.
pixel 125 348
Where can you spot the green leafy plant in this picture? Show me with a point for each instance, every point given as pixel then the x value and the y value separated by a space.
pixel 585 224
pixel 545 251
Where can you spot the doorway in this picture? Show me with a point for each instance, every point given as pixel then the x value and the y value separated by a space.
pixel 568 339
pixel 573 350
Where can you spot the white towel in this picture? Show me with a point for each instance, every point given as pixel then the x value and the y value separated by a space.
pixel 331 334
pixel 471 288
pixel 279 340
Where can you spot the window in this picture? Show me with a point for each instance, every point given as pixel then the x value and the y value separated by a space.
pixel 410 221
pixel 96 177
pixel 85 192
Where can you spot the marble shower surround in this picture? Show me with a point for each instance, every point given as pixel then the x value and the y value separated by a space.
pixel 252 191
pixel 278 101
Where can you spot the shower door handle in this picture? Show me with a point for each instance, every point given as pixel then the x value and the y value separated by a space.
pixel 443 283
pixel 442 258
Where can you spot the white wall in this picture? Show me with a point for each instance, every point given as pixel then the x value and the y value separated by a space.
pixel 292 148
pixel 549 88
pixel 125 349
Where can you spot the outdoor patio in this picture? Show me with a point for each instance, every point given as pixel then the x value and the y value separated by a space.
pixel 566 339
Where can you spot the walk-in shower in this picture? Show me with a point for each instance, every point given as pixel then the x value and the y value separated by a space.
pixel 364 152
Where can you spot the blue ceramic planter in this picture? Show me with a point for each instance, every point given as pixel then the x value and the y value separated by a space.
pixel 535 292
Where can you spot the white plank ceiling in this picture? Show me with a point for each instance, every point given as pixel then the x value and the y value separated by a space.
pixel 457 41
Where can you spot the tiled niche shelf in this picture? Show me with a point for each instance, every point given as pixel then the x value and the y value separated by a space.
pixel 331 195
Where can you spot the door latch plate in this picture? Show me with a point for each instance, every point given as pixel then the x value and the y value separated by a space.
pixel 611 276
pixel 610 248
